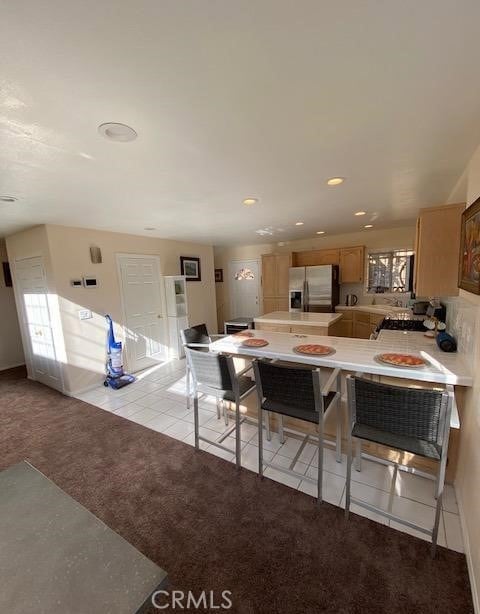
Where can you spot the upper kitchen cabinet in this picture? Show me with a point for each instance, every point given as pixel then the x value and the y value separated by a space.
pixel 316 257
pixel 275 281
pixel 437 249
pixel 352 264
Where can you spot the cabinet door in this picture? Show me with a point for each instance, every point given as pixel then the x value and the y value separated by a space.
pixel 269 273
pixel 282 304
pixel 269 305
pixel 438 247
pixel 329 256
pixel 344 328
pixel 352 264
pixel 362 330
pixel 283 264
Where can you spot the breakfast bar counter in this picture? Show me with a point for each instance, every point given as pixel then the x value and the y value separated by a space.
pixel 359 355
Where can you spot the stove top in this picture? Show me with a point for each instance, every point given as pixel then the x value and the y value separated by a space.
pixel 392 324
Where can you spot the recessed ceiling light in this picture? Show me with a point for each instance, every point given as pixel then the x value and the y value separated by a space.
pixel 368 226
pixel 8 199
pixel 149 228
pixel 320 232
pixel 335 180
pixel 117 132
pixel 299 223
pixel 250 201
pixel 360 213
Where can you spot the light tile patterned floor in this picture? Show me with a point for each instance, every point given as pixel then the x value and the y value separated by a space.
pixel 157 400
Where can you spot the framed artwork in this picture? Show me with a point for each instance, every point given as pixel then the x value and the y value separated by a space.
pixel 190 267
pixel 469 268
pixel 218 275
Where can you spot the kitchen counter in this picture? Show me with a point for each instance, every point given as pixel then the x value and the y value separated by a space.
pixel 386 310
pixel 359 354
pixel 299 317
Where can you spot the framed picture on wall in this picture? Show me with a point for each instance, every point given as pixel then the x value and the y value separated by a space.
pixel 218 275
pixel 469 268
pixel 190 267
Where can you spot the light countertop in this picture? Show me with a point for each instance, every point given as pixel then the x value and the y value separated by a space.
pixel 299 317
pixel 387 310
pixel 359 354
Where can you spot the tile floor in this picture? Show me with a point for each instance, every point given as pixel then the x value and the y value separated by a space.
pixel 157 400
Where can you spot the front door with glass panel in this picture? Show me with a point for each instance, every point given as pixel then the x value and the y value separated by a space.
pixel 244 284
pixel 31 282
pixel 146 335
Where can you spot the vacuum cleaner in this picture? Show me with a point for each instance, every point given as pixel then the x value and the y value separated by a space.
pixel 115 376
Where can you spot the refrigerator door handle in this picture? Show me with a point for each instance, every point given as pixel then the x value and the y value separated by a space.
pixel 306 298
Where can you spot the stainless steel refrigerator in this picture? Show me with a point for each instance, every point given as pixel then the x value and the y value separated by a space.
pixel 313 288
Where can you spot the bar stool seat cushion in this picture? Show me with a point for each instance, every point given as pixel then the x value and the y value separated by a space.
pixel 401 442
pixel 298 412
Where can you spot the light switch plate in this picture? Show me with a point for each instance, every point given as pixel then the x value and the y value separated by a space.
pixel 84 314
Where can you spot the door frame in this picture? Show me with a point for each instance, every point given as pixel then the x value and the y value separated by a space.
pixel 22 319
pixel 231 265
pixel 118 258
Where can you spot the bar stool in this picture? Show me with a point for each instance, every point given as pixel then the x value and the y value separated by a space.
pixel 295 391
pixel 197 337
pixel 407 419
pixel 214 374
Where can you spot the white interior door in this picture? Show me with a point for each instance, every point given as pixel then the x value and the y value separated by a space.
pixel 31 282
pixel 146 328
pixel 244 284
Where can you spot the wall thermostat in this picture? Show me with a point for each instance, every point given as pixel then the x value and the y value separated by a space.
pixel 76 283
pixel 90 282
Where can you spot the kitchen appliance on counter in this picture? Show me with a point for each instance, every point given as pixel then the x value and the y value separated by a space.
pixel 430 308
pixel 401 324
pixel 236 325
pixel 313 288
pixel 351 300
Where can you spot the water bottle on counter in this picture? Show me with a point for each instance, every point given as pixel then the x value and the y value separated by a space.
pixel 446 342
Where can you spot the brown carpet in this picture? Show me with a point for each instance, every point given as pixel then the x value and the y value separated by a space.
pixel 214 528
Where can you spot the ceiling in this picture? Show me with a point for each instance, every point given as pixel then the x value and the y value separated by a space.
pixel 233 99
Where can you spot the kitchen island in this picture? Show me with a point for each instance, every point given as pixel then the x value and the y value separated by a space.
pixel 360 355
pixel 306 323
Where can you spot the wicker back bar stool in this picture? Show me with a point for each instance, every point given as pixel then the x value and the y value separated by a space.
pixel 406 419
pixel 295 391
pixel 214 374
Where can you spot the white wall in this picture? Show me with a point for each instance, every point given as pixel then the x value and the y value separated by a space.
pixel 67 254
pixel 11 349
pixel 392 238
pixel 464 323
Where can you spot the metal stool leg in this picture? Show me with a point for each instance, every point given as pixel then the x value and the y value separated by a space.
pixel 187 385
pixel 219 409
pixel 338 442
pixel 349 474
pixel 225 412
pixel 260 442
pixel 281 434
pixel 196 420
pixel 320 462
pixel 358 455
pixel 267 424
pixel 238 440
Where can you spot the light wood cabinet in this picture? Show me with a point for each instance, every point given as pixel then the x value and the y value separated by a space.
pixel 275 281
pixel 352 264
pixel 358 324
pixel 437 249
pixel 316 257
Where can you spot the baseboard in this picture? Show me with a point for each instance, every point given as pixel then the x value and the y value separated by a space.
pixel 468 556
pixel 17 364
